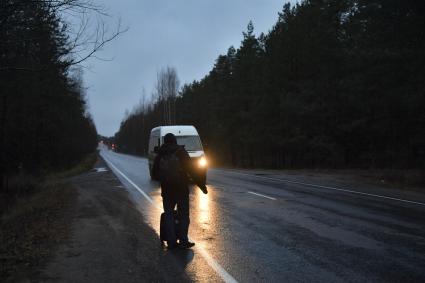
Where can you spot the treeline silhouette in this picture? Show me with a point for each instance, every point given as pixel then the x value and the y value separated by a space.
pixel 44 123
pixel 336 84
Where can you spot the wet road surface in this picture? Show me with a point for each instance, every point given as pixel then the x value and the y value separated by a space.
pixel 255 228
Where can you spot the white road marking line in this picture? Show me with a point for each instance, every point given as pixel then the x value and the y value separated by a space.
pixel 331 188
pixel 101 169
pixel 216 266
pixel 211 262
pixel 260 195
pixel 131 182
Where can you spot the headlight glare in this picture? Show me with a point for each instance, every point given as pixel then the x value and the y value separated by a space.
pixel 202 162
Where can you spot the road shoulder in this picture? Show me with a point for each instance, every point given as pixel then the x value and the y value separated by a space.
pixel 109 241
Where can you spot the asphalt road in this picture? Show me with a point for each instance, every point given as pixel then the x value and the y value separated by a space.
pixel 276 228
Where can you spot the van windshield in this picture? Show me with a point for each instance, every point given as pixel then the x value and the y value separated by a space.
pixel 191 143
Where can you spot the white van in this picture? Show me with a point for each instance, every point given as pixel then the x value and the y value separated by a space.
pixel 185 135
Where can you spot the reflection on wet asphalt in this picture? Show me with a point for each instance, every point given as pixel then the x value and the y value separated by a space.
pixel 305 234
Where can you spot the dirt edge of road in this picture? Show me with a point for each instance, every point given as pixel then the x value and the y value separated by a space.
pixel 109 240
pixel 83 229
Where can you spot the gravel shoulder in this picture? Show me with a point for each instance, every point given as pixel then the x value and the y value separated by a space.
pixel 109 241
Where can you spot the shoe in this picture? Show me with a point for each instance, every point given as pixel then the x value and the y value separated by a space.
pixel 187 245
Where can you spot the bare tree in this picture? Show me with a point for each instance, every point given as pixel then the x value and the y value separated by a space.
pixel 166 90
pixel 82 20
pixel 43 43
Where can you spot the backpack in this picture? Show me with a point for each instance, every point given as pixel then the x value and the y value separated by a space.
pixel 170 169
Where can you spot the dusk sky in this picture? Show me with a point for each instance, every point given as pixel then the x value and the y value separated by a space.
pixel 188 35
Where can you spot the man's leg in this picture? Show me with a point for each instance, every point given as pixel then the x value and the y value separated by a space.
pixel 183 211
pixel 169 203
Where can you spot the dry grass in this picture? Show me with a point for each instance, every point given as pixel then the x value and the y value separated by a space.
pixel 85 165
pixel 29 231
pixel 404 178
pixel 36 221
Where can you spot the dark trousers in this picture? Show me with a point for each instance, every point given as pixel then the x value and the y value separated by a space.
pixel 169 203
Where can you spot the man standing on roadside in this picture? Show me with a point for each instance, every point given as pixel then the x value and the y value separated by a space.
pixel 172 166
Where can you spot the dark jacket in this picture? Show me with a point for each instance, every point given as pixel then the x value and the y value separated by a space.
pixel 182 186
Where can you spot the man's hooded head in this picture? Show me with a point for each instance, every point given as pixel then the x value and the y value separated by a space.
pixel 170 139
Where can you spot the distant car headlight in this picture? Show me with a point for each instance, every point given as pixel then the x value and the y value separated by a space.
pixel 202 162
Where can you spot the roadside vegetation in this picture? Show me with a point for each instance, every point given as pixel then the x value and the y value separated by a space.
pixel 333 84
pixel 46 130
pixel 36 220
pixel 45 124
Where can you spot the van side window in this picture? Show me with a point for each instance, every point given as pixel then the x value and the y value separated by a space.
pixel 152 143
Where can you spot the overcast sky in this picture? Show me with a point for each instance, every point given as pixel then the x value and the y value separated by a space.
pixel 185 34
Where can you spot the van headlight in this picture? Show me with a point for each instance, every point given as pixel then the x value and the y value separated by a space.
pixel 202 162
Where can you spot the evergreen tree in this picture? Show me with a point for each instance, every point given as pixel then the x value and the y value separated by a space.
pixel 333 84
pixel 44 125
